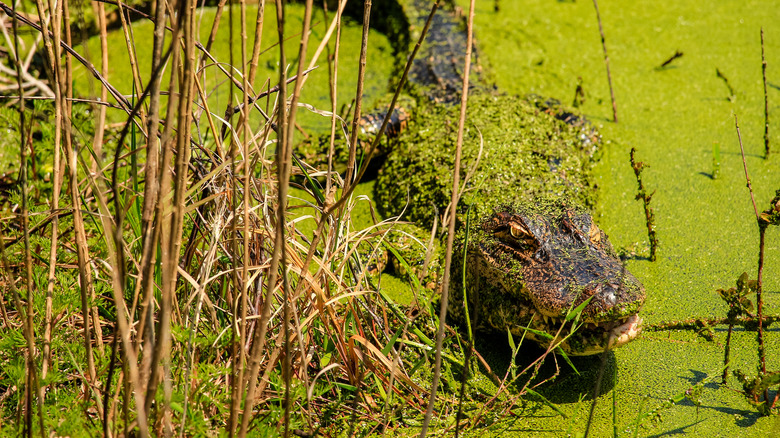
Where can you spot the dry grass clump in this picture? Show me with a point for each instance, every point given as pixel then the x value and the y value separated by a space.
pixel 170 288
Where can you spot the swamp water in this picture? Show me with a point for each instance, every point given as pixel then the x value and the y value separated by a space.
pixel 706 226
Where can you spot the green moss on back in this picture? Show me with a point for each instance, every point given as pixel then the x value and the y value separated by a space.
pixel 522 152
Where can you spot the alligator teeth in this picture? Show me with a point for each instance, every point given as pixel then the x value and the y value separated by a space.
pixel 625 332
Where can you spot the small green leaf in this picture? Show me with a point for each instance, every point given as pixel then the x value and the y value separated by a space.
pixel 578 310
pixel 565 357
pixel 511 339
pixel 539 333
pixel 346 386
pixel 316 190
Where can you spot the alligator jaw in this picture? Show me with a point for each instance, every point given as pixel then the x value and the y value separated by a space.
pixel 549 263
pixel 591 338
pixel 625 332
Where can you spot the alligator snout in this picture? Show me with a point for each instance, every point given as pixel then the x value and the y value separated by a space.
pixel 540 262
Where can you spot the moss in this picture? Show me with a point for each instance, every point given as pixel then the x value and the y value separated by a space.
pixel 520 151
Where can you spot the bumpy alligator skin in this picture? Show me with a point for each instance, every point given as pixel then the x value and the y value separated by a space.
pixel 533 251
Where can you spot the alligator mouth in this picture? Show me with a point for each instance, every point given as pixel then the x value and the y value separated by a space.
pixel 592 337
pixel 627 331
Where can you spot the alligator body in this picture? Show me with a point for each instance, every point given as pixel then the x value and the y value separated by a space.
pixel 533 252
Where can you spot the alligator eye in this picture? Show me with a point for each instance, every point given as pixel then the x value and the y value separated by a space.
pixel 518 231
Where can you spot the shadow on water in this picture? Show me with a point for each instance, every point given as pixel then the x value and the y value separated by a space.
pixel 567 387
pixel 707 174
pixel 743 418
pixel 698 377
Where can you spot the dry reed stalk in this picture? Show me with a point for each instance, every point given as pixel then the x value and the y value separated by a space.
pixel 283 165
pixel 97 143
pixel 304 43
pixel 82 246
pixel 333 70
pixel 606 62
pixel 115 247
pixel 127 31
pixel 358 99
pixel 153 355
pixel 236 349
pixel 240 364
pixel 766 99
pixel 130 361
pixel 248 85
pixel 279 254
pixel 256 47
pixel 56 188
pixel 335 25
pixel 455 198
pixel 761 229
pixel 150 232
pixel 31 388
pixel 174 184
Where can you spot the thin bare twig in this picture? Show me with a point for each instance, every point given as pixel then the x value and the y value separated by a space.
pixel 744 165
pixel 606 62
pixel 358 98
pixel 761 230
pixel 766 99
pixel 452 220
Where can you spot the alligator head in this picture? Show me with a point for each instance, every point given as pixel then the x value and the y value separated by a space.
pixel 531 266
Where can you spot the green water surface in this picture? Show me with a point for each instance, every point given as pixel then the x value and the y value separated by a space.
pixel 708 232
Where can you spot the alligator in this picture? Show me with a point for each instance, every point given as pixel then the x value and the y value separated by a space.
pixel 533 253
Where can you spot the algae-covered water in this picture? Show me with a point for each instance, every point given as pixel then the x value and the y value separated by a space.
pixel 673 117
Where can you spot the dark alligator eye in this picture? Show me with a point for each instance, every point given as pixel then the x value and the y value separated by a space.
pixel 516 234
pixel 519 231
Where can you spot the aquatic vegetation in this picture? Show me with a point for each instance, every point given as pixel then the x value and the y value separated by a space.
pixel 642 195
